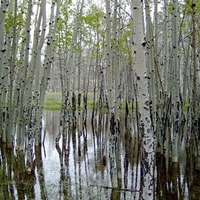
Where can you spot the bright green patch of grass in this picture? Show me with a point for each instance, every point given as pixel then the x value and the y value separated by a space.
pixel 123 106
pixel 90 104
pixel 52 105
pixel 53 101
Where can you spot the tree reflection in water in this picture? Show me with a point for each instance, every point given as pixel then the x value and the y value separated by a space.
pixel 79 166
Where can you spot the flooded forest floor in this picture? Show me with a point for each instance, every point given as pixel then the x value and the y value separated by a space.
pixel 79 167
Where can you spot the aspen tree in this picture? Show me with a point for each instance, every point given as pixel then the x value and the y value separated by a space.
pixel 36 65
pixel 86 84
pixel 196 120
pixel 151 57
pixel 3 49
pixel 165 136
pixel 22 106
pixel 38 43
pixel 79 47
pixel 19 136
pixel 175 84
pixel 110 65
pixel 155 84
pixel 108 81
pixel 65 73
pixel 158 83
pixel 70 66
pixel 116 69
pixel 194 48
pixel 14 29
pixel 165 51
pixel 12 64
pixel 108 54
pixel 6 67
pixel 53 21
pixel 148 143
pixel 185 72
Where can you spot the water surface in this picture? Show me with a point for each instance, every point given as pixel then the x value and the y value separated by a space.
pixel 79 168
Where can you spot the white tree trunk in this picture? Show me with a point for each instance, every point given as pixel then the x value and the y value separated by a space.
pixel 175 81
pixel 148 143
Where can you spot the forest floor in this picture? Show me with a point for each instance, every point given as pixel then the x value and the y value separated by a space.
pixel 53 101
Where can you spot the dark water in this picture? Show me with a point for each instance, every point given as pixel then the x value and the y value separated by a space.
pixel 80 167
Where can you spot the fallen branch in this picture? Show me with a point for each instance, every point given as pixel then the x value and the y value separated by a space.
pixel 113 188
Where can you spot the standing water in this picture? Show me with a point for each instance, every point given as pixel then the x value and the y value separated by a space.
pixel 79 167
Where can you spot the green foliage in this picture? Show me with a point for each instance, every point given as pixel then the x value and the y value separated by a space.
pixel 94 17
pixel 170 7
pixel 187 9
pixel 189 5
pixel 64 35
pixel 64 32
pixel 9 22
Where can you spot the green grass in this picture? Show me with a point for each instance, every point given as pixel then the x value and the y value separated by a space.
pixel 56 96
pixel 52 105
pixel 53 102
pixel 123 106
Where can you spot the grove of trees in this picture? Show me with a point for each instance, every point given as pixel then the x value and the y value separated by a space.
pixel 144 54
